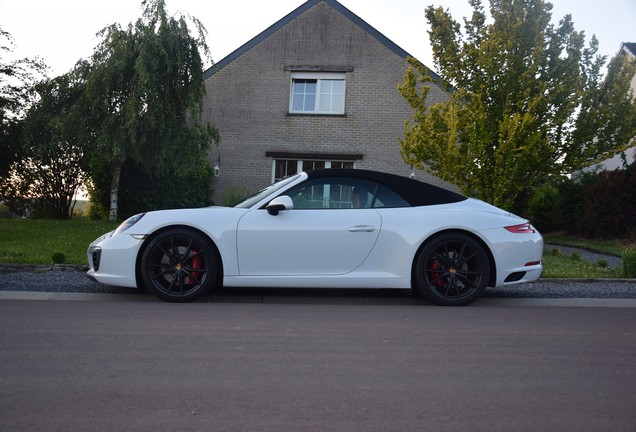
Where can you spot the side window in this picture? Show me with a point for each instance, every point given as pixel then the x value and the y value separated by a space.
pixel 386 198
pixel 333 193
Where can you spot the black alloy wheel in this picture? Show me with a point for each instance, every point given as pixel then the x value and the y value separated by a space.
pixel 452 270
pixel 179 265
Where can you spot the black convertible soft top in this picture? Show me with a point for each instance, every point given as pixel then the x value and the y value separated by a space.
pixel 415 192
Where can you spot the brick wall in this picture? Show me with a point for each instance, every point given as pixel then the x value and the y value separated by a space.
pixel 248 100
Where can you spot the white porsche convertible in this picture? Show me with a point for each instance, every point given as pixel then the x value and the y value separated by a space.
pixel 332 228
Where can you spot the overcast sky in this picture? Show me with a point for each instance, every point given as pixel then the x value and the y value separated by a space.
pixel 63 31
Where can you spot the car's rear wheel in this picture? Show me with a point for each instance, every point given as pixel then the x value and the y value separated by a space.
pixel 452 270
pixel 179 265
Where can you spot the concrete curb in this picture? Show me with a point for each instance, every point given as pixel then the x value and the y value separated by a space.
pixel 66 296
pixel 559 302
pixel 574 280
pixel 405 301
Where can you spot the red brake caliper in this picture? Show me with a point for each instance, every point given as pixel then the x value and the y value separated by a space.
pixel 435 266
pixel 197 263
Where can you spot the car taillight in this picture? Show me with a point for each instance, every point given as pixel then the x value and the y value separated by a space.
pixel 524 228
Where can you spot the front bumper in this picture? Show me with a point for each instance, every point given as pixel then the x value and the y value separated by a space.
pixel 112 259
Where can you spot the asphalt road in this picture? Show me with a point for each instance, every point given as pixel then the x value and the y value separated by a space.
pixel 148 365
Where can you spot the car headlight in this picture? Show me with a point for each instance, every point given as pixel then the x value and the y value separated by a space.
pixel 128 223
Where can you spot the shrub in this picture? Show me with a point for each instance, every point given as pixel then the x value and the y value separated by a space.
pixel 543 208
pixel 5 212
pixel 591 204
pixel 233 196
pixel 629 262
pixel 143 190
pixel 610 210
pixel 58 258
pixel 571 211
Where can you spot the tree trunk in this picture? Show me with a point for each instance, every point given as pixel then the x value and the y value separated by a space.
pixel 114 190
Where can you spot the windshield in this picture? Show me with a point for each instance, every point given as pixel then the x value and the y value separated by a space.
pixel 249 202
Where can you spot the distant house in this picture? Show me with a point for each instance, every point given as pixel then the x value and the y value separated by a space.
pixel 316 89
pixel 627 49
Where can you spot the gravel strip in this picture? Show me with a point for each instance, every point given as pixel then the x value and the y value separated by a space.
pixel 568 288
pixel 55 279
pixel 71 279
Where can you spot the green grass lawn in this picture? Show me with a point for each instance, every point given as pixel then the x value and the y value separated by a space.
pixel 568 268
pixel 34 241
pixel 562 266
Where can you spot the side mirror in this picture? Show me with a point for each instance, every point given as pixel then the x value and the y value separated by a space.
pixel 279 204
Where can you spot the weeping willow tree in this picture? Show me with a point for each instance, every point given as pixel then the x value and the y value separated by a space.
pixel 529 100
pixel 147 90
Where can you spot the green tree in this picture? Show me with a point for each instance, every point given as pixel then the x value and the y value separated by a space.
pixel 54 143
pixel 528 100
pixel 17 78
pixel 148 90
pixel 144 189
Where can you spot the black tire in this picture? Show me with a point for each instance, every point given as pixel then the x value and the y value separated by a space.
pixel 179 265
pixel 452 270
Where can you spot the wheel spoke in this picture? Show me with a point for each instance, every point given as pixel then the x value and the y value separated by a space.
pixel 448 288
pixel 442 259
pixel 186 253
pixel 458 291
pixel 464 260
pixel 195 253
pixel 466 280
pixel 172 284
pixel 166 253
pixel 163 271
pixel 469 276
pixel 192 271
pixel 440 277
pixel 460 254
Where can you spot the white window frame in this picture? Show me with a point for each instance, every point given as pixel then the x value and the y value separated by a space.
pixel 321 79
pixel 299 164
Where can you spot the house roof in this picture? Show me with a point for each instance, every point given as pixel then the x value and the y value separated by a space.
pixel 631 47
pixel 292 16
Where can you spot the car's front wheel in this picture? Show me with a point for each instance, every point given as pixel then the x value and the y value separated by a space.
pixel 179 265
pixel 452 270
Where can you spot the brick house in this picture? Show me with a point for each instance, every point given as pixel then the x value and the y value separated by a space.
pixel 316 89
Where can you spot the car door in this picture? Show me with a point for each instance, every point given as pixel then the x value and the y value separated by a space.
pixel 324 234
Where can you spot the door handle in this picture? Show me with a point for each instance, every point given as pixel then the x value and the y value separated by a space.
pixel 362 228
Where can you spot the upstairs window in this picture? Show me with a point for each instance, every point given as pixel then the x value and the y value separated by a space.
pixel 317 93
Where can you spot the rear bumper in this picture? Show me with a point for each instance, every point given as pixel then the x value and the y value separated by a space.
pixel 524 274
pixel 518 257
